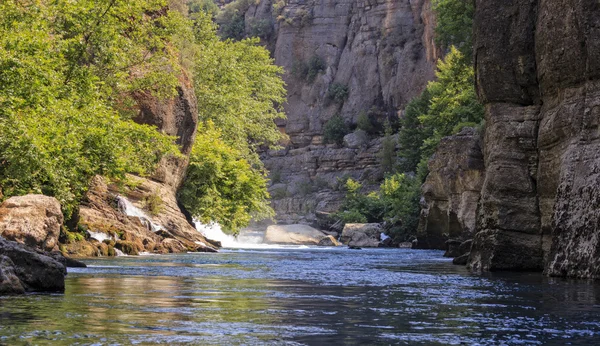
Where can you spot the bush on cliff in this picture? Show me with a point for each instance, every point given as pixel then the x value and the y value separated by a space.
pixel 335 129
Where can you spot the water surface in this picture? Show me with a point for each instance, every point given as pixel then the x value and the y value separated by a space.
pixel 308 296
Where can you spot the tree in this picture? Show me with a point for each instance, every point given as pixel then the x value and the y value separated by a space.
pixel 455 24
pixel 221 186
pixel 68 71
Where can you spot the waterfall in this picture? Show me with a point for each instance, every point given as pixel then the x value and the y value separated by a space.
pixel 127 208
pixel 99 236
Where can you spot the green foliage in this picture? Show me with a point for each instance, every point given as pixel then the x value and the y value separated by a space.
pixel 448 104
pixel 153 203
pixel 396 202
pixel 221 185
pixel 239 88
pixel 206 6
pixel 231 20
pixel 335 129
pixel 308 70
pixel 455 24
pixel 364 123
pixel 67 73
pixel 388 150
pixel 337 92
pixel 262 28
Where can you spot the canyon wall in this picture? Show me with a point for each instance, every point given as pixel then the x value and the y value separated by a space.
pixel 381 52
pixel 538 74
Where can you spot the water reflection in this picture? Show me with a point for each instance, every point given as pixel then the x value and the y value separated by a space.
pixel 311 297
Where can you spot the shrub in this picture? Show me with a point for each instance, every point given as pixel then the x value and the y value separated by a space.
pixel 262 28
pixel 153 203
pixel 316 65
pixel 335 129
pixel 364 123
pixel 388 150
pixel 337 92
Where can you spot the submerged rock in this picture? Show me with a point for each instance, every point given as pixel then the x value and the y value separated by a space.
pixel 33 220
pixel 35 271
pixel 293 235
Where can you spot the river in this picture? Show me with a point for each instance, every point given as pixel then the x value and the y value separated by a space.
pixel 302 296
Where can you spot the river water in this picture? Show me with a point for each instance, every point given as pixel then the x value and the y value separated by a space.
pixel 302 296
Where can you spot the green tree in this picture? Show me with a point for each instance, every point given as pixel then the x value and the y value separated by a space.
pixel 68 71
pixel 412 133
pixel 334 130
pixel 221 186
pixel 455 24
pixel 388 150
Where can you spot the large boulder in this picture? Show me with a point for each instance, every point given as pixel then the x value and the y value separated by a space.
pixel 329 241
pixel 35 271
pixel 361 234
pixel 293 235
pixel 33 220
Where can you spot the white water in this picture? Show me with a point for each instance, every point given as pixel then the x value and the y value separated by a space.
pixel 99 236
pixel 131 210
pixel 246 240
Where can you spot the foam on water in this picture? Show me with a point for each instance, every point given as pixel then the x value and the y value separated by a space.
pixel 246 240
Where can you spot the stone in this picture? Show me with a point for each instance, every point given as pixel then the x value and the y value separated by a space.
pixel 384 56
pixel 361 234
pixel 36 272
pixel 461 260
pixel 356 139
pixel 538 74
pixel 451 190
pixel 329 241
pixel 33 220
pixel 297 234
pixel 9 282
pixel 453 248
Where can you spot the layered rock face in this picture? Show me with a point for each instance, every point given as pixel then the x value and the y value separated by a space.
pixel 538 73
pixel 380 52
pixel 451 190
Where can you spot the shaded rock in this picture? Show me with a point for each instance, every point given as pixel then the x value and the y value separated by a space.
pixel 461 260
pixel 293 235
pixel 453 248
pixel 387 242
pixel 356 139
pixel 361 234
pixel 465 247
pixel 9 282
pixel 36 272
pixel 65 261
pixel 329 241
pixel 354 247
pixel 405 245
pixel 33 220
pixel 538 72
pixel 451 190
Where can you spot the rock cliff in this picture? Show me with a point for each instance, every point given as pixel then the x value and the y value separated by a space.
pixel 451 191
pixel 538 73
pixel 343 57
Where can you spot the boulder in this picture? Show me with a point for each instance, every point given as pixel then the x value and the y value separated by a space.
pixel 461 260
pixel 297 234
pixel 329 241
pixel 361 234
pixel 356 139
pixel 33 220
pixel 453 248
pixel 36 272
pixel 9 282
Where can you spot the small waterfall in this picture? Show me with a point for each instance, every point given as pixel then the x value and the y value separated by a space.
pixel 127 208
pixel 119 252
pixel 99 236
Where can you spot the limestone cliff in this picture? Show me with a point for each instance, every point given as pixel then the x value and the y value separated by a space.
pixel 381 53
pixel 538 73
pixel 451 191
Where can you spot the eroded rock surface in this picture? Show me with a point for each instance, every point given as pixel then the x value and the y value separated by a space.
pixel 451 191
pixel 381 52
pixel 34 220
pixel 538 72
